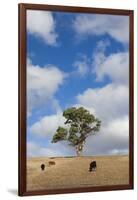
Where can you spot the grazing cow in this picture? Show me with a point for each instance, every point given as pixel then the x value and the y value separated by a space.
pixel 42 167
pixel 92 166
pixel 51 163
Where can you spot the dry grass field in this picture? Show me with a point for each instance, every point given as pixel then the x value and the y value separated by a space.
pixel 74 172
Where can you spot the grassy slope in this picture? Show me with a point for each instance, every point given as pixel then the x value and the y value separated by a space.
pixel 73 172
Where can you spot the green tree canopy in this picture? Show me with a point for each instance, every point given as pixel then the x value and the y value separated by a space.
pixel 80 124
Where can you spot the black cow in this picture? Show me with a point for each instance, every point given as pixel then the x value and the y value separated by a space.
pixel 93 166
pixel 42 167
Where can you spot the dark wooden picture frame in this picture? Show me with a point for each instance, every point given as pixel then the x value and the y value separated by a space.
pixel 22 97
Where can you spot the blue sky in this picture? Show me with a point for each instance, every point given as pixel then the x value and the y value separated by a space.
pixel 76 60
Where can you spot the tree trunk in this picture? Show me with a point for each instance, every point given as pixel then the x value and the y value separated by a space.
pixel 79 149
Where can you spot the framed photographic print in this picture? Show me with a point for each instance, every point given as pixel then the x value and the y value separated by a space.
pixel 75 99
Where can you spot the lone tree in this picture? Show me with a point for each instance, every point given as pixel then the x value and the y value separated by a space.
pixel 81 124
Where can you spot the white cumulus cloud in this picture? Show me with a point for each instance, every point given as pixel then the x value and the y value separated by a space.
pixel 42 84
pixel 111 140
pixel 115 66
pixel 42 24
pixel 98 24
pixel 82 66
pixel 109 102
pixel 48 125
pixel 57 149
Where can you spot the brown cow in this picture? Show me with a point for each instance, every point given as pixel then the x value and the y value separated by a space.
pixel 51 163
